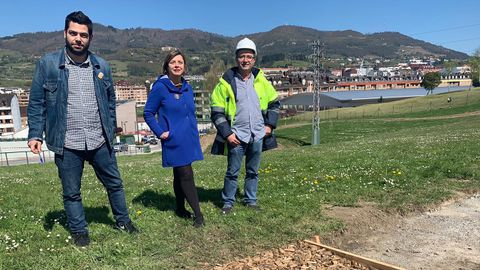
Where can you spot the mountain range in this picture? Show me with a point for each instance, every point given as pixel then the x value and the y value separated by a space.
pixel 140 51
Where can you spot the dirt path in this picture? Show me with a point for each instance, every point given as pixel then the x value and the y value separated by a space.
pixel 444 238
pixel 207 140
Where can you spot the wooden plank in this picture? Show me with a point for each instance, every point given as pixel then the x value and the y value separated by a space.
pixel 360 259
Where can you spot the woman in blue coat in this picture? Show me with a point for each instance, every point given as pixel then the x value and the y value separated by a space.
pixel 170 114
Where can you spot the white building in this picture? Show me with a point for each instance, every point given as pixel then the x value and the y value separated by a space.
pixel 10 118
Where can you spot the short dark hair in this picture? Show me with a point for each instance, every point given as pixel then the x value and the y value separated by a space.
pixel 80 18
pixel 169 58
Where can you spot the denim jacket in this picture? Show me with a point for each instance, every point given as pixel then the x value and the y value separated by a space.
pixel 47 107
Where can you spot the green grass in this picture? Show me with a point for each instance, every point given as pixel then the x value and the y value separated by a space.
pixel 15 83
pixel 427 106
pixel 119 68
pixel 402 164
pixel 9 53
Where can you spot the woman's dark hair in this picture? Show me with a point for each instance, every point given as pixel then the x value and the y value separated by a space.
pixel 169 58
pixel 80 18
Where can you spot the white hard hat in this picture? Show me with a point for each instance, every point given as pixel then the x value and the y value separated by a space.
pixel 246 43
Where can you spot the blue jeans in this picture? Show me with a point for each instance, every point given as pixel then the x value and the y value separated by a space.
pixel 70 169
pixel 252 151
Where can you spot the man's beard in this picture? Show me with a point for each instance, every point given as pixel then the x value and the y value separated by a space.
pixel 71 50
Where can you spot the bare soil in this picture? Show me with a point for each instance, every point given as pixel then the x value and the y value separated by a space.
pixel 443 238
pixel 447 237
pixel 206 140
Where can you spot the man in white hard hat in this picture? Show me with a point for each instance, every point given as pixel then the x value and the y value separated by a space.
pixel 245 110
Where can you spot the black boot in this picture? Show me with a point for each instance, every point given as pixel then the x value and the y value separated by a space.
pixel 199 222
pixel 183 213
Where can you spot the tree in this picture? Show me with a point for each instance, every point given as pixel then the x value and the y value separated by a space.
pixel 474 63
pixel 215 72
pixel 430 81
pixel 449 66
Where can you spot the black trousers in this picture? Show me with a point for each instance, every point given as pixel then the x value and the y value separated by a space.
pixel 184 188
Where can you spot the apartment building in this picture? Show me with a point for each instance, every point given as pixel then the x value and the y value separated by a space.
pixel 21 94
pixel 10 119
pixel 127 116
pixel 23 98
pixel 127 91
pixel 202 105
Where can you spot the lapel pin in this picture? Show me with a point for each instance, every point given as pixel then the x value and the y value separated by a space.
pixel 100 75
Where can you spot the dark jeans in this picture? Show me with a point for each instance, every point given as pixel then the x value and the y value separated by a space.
pixel 252 152
pixel 70 169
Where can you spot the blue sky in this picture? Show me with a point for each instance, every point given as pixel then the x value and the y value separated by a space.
pixel 453 24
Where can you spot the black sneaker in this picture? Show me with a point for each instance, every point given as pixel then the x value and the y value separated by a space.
pixel 254 207
pixel 226 210
pixel 126 227
pixel 199 222
pixel 183 214
pixel 81 239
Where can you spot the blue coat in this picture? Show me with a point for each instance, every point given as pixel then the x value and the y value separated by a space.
pixel 169 108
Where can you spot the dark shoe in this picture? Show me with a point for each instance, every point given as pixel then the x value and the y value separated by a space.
pixel 126 227
pixel 254 207
pixel 226 210
pixel 183 214
pixel 199 222
pixel 81 239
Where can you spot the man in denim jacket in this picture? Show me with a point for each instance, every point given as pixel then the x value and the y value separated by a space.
pixel 72 100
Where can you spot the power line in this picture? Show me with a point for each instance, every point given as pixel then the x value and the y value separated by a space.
pixel 460 40
pixel 446 29
pixel 449 29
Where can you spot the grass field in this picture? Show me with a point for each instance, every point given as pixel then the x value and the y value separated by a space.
pixel 402 163
pixel 428 106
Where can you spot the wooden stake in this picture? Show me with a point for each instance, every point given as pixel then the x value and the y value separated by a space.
pixel 365 261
